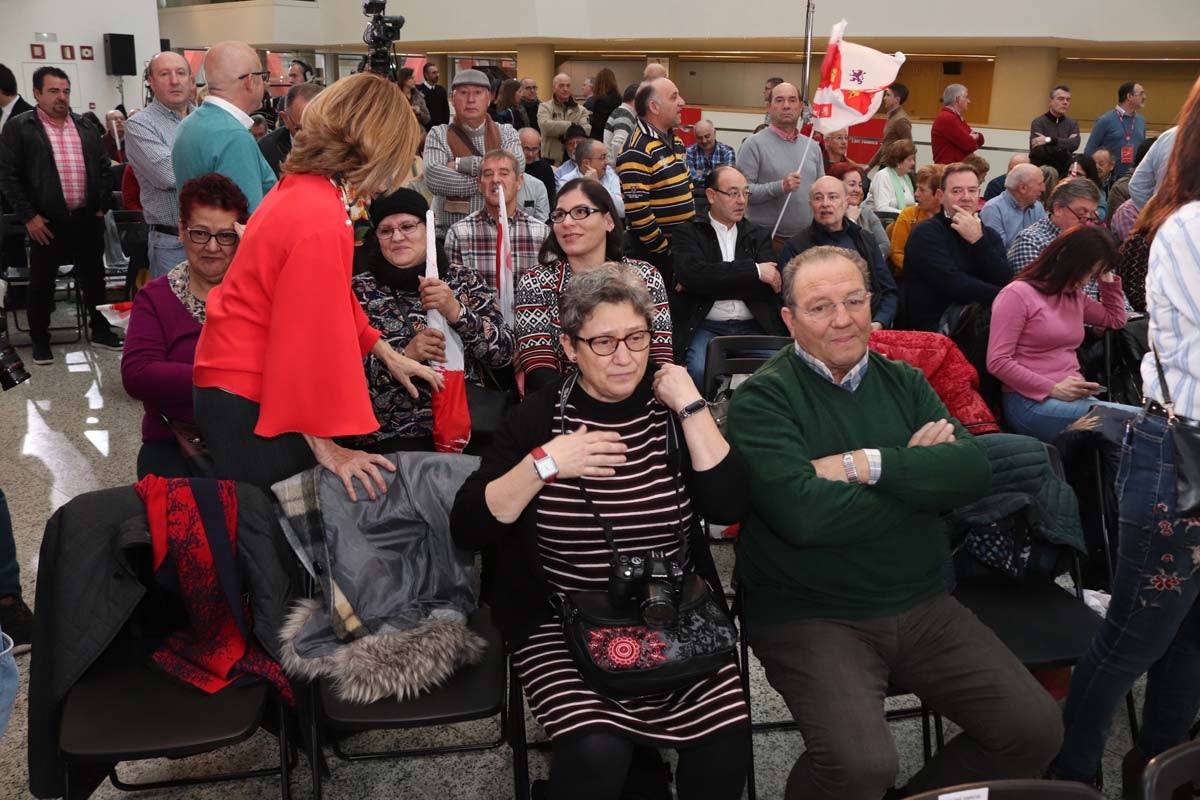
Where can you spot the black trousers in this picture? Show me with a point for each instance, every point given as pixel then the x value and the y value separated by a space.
pixel 227 422
pixel 162 457
pixel 79 240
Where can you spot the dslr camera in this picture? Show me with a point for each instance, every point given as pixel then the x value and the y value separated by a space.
pixel 12 370
pixel 653 581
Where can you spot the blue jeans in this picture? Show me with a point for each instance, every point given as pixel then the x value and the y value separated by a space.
pixel 8 680
pixel 166 252
pixel 706 331
pixel 1153 621
pixel 10 572
pixel 1046 420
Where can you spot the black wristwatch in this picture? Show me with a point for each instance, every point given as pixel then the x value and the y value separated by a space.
pixel 694 407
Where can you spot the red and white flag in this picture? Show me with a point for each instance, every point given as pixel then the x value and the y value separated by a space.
pixel 853 78
pixel 451 414
pixel 504 263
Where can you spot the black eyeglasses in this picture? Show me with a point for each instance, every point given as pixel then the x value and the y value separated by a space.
pixel 577 213
pixel 202 235
pixel 264 74
pixel 735 194
pixel 636 342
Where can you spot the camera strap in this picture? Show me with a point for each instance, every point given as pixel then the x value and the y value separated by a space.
pixel 675 468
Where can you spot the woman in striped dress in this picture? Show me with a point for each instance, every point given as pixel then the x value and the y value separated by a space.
pixel 606 430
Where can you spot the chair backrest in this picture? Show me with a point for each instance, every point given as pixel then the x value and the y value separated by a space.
pixel 1014 790
pixel 734 355
pixel 1168 771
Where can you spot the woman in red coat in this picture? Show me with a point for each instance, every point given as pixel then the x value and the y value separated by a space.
pixel 278 370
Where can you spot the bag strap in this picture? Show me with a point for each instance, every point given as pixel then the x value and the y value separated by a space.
pixel 1168 404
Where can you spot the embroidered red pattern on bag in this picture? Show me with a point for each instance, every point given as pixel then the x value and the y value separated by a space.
pixel 626 648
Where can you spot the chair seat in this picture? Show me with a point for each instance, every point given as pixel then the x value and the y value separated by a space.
pixel 473 692
pixel 124 709
pixel 1043 624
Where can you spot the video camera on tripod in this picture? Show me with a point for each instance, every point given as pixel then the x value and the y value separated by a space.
pixel 380 37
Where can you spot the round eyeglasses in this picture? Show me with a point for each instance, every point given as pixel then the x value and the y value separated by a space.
pixel 405 229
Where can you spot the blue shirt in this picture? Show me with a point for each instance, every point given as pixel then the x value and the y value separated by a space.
pixel 699 164
pixel 1115 130
pixel 569 171
pixel 1003 215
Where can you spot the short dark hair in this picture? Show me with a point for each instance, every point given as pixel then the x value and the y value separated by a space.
pixel 301 91
pixel 599 197
pixel 630 93
pixel 425 69
pixel 641 101
pixel 1070 258
pixel 212 190
pixel 39 76
pixel 773 82
pixel 900 92
pixel 956 168
pixel 8 81
pixel 308 71
pixel 1124 90
pixel 1061 87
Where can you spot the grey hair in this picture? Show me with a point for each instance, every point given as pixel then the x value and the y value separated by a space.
pixel 611 282
pixel 584 150
pixel 820 254
pixel 1069 190
pixel 258 119
pixel 1018 175
pixel 952 93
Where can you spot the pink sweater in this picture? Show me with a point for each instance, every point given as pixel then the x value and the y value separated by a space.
pixel 1034 336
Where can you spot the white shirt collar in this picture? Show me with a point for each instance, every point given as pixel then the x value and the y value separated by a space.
pixel 7 107
pixel 721 227
pixel 429 85
pixel 225 105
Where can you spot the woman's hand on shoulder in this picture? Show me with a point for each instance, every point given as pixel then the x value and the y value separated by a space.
pixel 593 454
pixel 673 387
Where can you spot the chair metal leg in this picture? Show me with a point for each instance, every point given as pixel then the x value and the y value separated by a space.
pixel 314 756
pixel 926 746
pixel 516 736
pixel 939 732
pixel 285 754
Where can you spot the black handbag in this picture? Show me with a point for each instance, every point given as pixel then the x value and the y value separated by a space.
pixel 618 654
pixel 488 404
pixel 1185 440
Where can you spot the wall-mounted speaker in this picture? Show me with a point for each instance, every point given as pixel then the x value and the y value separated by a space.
pixel 952 68
pixel 119 58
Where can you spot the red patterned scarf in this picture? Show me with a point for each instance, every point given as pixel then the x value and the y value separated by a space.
pixel 194 521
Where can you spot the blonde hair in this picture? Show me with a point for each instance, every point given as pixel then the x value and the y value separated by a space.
pixel 362 127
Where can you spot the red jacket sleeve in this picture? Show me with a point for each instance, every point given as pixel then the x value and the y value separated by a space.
pixel 313 380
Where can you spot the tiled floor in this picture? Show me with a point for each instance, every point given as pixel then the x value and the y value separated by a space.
pixel 72 429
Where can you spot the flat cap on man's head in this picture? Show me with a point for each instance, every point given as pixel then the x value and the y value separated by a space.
pixel 471 77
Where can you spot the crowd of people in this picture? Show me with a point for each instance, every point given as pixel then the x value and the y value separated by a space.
pixel 585 258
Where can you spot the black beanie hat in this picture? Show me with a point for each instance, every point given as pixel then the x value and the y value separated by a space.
pixel 401 201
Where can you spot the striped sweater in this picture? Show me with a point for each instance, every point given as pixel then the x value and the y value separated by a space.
pixel 656 186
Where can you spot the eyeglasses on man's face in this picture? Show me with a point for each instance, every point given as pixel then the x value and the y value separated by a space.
pixel 405 229
pixel 201 236
pixel 735 194
pixel 578 213
pixel 827 310
pixel 1086 217
pixel 635 342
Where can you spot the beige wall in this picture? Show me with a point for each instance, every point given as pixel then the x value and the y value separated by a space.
pixel 1094 88
pixel 626 71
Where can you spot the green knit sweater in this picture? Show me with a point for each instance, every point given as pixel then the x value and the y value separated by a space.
pixel 818 548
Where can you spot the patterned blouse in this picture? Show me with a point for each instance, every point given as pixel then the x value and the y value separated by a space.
pixel 398 316
pixel 180 279
pixel 537 325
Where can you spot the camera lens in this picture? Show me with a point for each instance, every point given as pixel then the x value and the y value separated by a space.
pixel 12 370
pixel 658 609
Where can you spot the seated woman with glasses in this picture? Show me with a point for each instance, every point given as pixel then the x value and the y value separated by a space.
pixel 584 234
pixel 395 294
pixel 851 176
pixel 589 452
pixel 168 312
pixel 1038 324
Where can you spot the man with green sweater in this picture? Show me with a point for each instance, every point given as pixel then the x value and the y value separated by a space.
pixel 216 136
pixel 844 558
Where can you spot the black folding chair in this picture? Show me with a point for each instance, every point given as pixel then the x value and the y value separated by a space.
pixel 729 355
pixel 1168 772
pixel 474 692
pixel 1020 790
pixel 18 280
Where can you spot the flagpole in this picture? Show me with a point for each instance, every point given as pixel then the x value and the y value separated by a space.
pixel 788 197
